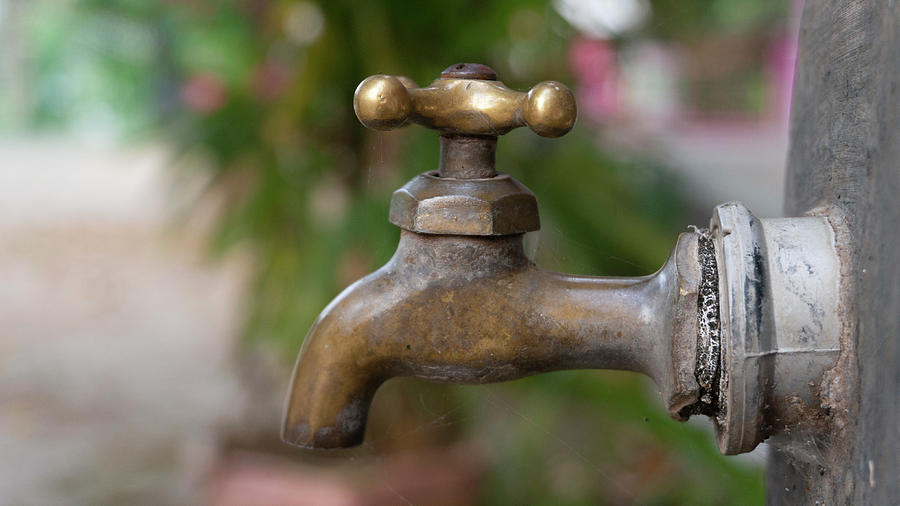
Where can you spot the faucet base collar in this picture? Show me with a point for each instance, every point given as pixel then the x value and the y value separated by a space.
pixel 779 289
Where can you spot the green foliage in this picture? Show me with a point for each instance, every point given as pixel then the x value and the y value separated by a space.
pixel 689 21
pixel 591 437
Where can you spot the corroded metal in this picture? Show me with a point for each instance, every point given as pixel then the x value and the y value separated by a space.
pixel 779 286
pixel 709 368
pixel 477 310
pixel 431 204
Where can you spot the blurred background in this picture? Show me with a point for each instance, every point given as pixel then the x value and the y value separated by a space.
pixel 184 186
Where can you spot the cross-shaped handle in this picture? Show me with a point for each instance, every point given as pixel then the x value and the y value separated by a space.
pixel 466 100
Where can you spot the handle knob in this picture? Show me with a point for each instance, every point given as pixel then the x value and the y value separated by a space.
pixel 466 100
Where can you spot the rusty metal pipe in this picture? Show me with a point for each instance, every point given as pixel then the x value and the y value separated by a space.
pixel 463 309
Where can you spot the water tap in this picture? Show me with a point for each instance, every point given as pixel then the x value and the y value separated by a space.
pixel 736 325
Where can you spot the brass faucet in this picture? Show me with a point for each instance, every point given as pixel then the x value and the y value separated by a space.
pixel 743 323
pixel 460 302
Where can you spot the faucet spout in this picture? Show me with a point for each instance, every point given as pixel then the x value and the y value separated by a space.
pixel 467 309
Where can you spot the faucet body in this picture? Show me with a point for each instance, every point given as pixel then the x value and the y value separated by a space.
pixel 741 323
pixel 468 309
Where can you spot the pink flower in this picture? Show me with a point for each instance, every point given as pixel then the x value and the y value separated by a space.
pixel 595 66
pixel 269 81
pixel 204 93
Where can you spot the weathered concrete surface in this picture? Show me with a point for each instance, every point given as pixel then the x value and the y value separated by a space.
pixel 845 155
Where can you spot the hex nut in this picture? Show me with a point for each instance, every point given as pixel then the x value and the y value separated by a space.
pixel 500 205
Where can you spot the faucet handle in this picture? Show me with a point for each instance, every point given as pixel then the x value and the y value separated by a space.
pixel 466 100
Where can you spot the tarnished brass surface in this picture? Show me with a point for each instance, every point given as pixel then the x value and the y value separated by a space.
pixel 470 108
pixel 437 205
pixel 465 106
pixel 460 302
pixel 476 310
pixel 467 157
pixel 469 71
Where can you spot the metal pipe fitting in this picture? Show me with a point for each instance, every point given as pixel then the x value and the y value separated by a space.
pixel 468 157
pixel 780 305
pixel 430 204
pixel 741 324
pixel 475 310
